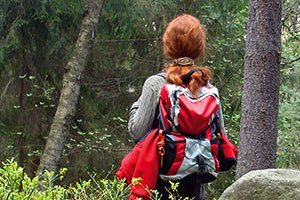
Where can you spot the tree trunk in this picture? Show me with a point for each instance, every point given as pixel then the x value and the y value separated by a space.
pixel 21 110
pixel 258 131
pixel 21 100
pixel 70 89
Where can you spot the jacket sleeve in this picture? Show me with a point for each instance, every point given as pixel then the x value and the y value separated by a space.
pixel 142 112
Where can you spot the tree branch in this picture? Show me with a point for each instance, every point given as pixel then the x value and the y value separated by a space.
pixel 128 40
pixel 5 89
pixel 291 61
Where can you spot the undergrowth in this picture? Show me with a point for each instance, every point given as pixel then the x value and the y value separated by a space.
pixel 15 184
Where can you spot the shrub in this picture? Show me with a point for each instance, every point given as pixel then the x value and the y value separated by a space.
pixel 15 184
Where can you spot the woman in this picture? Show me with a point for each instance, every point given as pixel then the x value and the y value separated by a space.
pixel 184 43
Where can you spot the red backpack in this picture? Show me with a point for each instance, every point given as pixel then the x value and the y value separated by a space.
pixel 192 141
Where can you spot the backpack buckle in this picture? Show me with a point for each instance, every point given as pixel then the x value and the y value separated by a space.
pixel 160 145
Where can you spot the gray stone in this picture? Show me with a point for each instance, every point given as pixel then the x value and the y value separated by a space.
pixel 268 184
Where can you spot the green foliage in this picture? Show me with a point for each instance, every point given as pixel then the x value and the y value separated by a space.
pixel 173 192
pixel 36 38
pixel 288 120
pixel 289 129
pixel 16 185
pixel 289 105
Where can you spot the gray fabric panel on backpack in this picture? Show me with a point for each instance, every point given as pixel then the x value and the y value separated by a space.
pixel 193 148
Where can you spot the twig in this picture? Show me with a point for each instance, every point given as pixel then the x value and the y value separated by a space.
pixel 5 89
pixel 291 61
pixel 128 40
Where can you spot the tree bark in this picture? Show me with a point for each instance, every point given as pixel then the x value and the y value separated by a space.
pixel 21 100
pixel 21 110
pixel 70 89
pixel 258 131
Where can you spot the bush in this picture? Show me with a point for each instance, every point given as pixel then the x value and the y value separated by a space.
pixel 15 184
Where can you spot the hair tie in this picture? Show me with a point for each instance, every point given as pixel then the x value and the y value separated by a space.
pixel 184 61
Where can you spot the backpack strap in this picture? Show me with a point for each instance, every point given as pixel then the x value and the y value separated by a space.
pixel 186 78
pixel 162 74
pixel 199 190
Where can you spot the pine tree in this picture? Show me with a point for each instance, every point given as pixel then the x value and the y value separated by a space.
pixel 258 130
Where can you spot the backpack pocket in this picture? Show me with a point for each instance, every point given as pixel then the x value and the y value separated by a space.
pixel 185 156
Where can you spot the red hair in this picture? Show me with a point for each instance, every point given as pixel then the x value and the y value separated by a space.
pixel 185 37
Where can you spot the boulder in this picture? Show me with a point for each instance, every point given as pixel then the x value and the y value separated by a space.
pixel 268 184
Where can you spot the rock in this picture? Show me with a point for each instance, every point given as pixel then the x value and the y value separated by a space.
pixel 268 184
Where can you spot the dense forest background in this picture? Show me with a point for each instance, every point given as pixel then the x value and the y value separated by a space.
pixel 38 37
